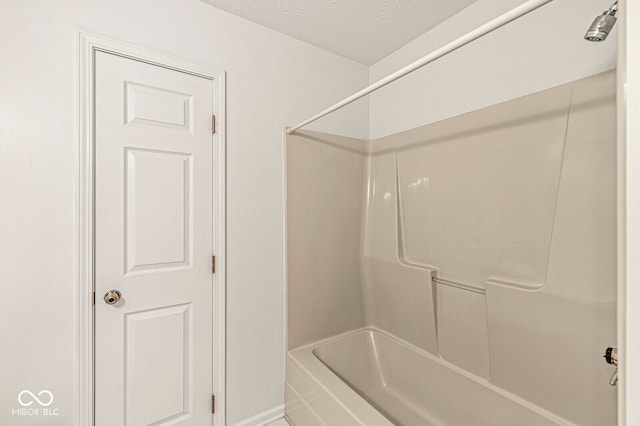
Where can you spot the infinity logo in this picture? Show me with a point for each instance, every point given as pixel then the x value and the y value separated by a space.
pixel 35 398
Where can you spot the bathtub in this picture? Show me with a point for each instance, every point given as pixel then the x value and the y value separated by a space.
pixel 368 377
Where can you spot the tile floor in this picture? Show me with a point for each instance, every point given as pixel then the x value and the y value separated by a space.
pixel 280 422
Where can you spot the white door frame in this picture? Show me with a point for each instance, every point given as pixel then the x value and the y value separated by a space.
pixel 628 213
pixel 88 46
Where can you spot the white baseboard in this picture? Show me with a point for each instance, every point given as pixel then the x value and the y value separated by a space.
pixel 264 418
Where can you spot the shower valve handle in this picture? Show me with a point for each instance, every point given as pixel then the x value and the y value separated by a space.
pixel 611 356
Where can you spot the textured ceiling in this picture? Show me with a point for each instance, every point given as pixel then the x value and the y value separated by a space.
pixel 362 30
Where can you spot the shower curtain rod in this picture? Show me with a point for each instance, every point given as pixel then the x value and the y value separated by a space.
pixel 482 30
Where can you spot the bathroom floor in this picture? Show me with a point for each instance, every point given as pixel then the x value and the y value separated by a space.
pixel 279 422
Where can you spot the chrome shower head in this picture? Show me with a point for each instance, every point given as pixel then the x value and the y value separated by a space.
pixel 602 25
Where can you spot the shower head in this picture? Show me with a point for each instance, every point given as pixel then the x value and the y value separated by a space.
pixel 602 25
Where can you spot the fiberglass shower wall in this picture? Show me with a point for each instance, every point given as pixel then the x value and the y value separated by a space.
pixel 515 201
pixel 512 206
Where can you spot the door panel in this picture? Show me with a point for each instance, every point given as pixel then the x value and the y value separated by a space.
pixel 164 396
pixel 153 236
pixel 158 209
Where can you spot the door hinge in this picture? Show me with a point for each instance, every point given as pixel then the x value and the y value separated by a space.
pixel 213 124
pixel 213 264
pixel 93 298
pixel 213 403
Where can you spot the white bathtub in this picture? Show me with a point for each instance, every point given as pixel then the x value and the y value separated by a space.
pixel 368 377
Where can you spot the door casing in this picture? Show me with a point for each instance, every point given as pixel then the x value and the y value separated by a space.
pixel 88 46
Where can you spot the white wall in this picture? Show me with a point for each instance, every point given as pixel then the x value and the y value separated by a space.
pixel 272 81
pixel 541 50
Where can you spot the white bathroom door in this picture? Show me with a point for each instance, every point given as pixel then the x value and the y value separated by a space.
pixel 153 245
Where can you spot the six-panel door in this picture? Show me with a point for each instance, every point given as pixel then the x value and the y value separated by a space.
pixel 153 243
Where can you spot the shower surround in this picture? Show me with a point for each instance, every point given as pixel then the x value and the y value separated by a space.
pixel 461 271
